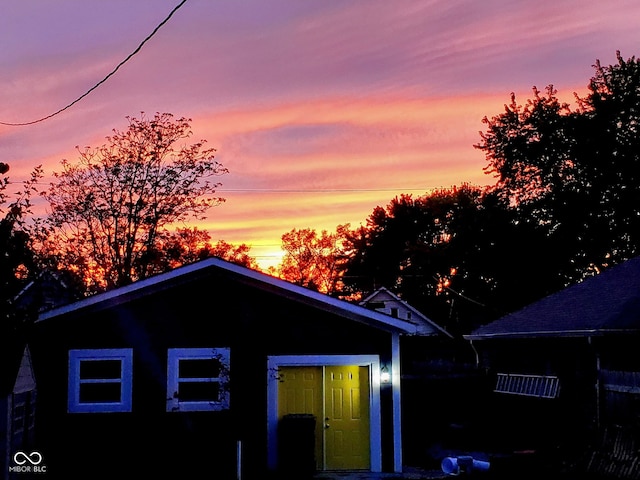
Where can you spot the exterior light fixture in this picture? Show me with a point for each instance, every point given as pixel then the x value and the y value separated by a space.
pixel 385 375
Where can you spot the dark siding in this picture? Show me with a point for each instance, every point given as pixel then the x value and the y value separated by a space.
pixel 542 423
pixel 150 441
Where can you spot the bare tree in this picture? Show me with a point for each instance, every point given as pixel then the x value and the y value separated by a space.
pixel 109 211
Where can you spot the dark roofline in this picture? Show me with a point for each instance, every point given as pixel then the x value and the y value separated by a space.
pixel 248 276
pixel 552 334
pixel 603 304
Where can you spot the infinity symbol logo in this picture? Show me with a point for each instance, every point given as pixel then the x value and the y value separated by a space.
pixel 34 458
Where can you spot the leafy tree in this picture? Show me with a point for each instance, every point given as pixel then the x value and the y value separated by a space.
pixel 566 204
pixel 313 260
pixel 609 153
pixel 380 246
pixel 110 211
pixel 238 254
pixel 531 152
pixel 430 250
pixel 528 148
pixel 17 262
pixel 572 176
pixel 188 245
pixel 459 255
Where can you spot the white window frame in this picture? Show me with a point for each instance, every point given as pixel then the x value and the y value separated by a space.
pixel 175 355
pixel 76 357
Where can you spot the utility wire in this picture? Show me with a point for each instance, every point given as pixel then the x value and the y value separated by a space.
pixel 105 78
pixel 464 297
pixel 317 190
pixel 289 190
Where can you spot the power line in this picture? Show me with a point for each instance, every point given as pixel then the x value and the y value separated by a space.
pixel 317 190
pixel 291 190
pixel 105 78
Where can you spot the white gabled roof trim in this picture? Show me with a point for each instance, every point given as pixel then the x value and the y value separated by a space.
pixel 136 289
pixel 414 311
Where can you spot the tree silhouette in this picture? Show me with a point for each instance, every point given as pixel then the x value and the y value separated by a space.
pixel 17 261
pixel 565 205
pixel 432 250
pixel 312 260
pixel 573 175
pixel 188 245
pixel 110 211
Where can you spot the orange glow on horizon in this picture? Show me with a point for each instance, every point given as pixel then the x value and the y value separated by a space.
pixel 321 111
pixel 344 157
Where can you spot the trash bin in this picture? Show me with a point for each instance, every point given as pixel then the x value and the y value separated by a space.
pixel 297 445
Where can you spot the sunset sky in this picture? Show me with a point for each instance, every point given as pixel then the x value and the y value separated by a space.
pixel 321 110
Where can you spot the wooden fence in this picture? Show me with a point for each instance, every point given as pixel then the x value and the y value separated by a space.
pixel 620 402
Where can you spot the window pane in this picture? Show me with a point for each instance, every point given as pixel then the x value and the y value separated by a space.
pixel 100 392
pixel 199 368
pixel 18 418
pixel 100 369
pixel 199 391
pixel 18 411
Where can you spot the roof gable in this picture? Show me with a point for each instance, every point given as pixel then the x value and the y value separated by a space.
pixel 383 299
pixel 16 374
pixel 25 380
pixel 606 303
pixel 48 290
pixel 204 268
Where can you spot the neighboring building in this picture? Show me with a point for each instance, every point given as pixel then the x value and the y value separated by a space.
pixel 385 301
pixel 195 372
pixel 566 369
pixel 17 382
pixel 17 407
pixel 50 289
pixel 438 374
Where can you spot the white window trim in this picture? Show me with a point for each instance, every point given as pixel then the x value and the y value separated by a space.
pixel 173 379
pixel 76 357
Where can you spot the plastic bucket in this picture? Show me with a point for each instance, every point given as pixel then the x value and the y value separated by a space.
pixel 450 466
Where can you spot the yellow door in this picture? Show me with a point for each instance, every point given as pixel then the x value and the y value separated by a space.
pixel 346 418
pixel 300 391
pixel 338 396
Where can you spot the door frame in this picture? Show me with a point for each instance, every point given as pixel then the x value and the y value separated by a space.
pixel 371 361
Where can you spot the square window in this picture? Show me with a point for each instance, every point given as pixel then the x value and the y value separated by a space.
pixel 198 379
pixel 100 380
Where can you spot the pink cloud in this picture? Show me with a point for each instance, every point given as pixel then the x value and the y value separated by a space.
pixel 347 103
